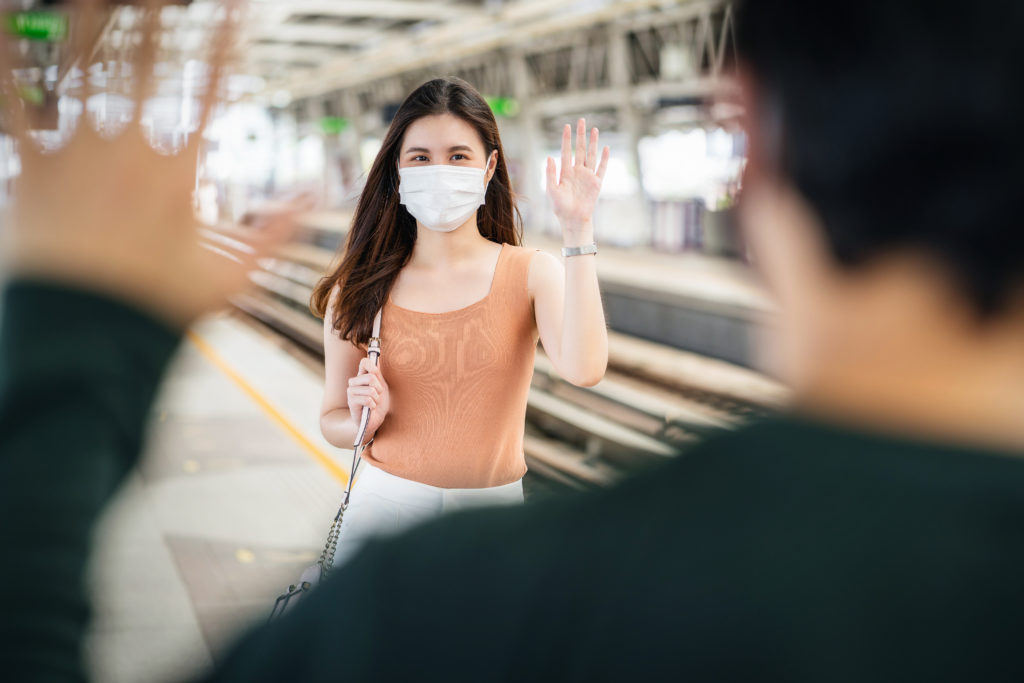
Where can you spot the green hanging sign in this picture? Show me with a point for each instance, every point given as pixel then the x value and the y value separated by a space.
pixel 51 27
pixel 503 107
pixel 333 125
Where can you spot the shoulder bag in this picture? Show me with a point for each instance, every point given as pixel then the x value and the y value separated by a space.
pixel 316 573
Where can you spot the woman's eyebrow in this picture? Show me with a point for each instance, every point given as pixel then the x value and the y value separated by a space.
pixel 456 148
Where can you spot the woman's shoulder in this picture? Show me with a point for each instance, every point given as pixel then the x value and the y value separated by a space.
pixel 531 258
pixel 531 268
pixel 520 253
pixel 526 260
pixel 518 248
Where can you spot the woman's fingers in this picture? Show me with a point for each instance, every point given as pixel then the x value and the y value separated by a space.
pixel 586 152
pixel 566 149
pixel 552 174
pixel 364 394
pixel 367 366
pixel 372 392
pixel 603 166
pixel 362 401
pixel 581 142
pixel 592 150
pixel 367 380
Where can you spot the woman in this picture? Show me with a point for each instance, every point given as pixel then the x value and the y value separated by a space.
pixel 435 241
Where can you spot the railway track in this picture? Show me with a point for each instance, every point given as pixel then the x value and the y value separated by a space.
pixel 654 403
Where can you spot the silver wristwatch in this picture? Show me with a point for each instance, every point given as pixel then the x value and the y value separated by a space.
pixel 580 251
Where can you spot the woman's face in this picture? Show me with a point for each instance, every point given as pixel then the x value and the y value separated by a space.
pixel 445 139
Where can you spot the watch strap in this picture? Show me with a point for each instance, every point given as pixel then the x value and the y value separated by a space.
pixel 580 251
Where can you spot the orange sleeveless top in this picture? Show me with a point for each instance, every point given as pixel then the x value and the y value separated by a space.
pixel 459 383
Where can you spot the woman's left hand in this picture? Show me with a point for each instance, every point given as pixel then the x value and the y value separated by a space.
pixel 574 192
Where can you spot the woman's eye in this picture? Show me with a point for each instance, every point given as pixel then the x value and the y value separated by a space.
pixel 419 158
pixel 459 157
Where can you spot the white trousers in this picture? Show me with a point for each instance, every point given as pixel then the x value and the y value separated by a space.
pixel 384 505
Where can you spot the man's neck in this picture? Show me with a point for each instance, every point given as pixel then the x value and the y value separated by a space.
pixel 930 372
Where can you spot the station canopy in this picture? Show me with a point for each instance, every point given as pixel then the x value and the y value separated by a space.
pixel 309 47
pixel 301 49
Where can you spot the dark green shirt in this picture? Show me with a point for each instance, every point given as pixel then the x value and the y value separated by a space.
pixel 785 551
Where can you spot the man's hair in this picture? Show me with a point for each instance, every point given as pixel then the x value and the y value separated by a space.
pixel 899 122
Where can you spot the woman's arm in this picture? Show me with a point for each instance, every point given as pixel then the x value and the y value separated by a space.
pixel 351 382
pixel 570 317
pixel 567 300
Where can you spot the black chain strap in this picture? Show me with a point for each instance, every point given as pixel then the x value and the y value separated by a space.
pixel 326 561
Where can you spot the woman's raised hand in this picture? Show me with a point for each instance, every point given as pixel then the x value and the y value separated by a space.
pixel 111 213
pixel 368 388
pixel 575 188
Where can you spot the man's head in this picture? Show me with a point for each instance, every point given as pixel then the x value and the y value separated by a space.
pixel 885 139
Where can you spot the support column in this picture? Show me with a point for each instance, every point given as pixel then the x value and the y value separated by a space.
pixel 351 142
pixel 631 124
pixel 534 205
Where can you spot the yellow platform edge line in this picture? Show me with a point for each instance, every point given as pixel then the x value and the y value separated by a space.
pixel 267 407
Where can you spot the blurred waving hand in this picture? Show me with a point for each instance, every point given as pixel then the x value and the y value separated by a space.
pixel 111 213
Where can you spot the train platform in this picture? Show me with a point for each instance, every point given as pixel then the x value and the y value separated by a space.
pixel 232 500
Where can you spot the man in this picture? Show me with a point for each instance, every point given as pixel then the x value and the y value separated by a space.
pixel 875 534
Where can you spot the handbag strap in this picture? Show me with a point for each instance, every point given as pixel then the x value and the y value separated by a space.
pixel 326 561
pixel 373 353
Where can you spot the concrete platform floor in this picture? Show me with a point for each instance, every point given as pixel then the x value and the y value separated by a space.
pixel 232 500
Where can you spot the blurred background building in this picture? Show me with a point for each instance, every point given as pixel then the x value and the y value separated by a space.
pixel 317 82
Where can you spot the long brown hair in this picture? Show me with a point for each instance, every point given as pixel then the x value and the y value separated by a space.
pixel 383 233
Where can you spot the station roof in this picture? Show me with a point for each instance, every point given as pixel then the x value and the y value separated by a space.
pixel 305 48
pixel 309 47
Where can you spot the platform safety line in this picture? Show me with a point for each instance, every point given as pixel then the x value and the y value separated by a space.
pixel 217 361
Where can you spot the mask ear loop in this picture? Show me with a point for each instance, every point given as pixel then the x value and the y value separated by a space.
pixel 487 185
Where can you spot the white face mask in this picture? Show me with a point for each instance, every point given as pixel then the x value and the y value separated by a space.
pixel 441 197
